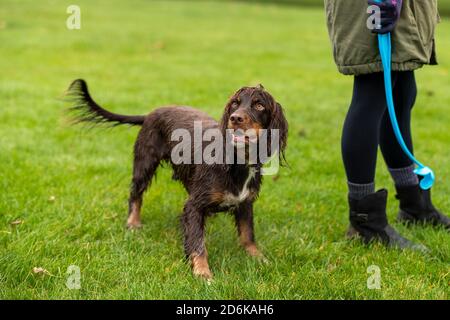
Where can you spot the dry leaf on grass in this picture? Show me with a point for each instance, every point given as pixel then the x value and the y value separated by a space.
pixel 40 271
pixel 16 222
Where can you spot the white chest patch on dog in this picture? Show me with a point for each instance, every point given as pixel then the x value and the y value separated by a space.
pixel 231 200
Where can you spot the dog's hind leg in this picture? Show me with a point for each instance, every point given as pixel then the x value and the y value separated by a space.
pixel 147 157
pixel 193 223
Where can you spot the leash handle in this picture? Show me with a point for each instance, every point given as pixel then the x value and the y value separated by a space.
pixel 385 47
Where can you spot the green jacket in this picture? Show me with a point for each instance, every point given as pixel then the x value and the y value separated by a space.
pixel 355 47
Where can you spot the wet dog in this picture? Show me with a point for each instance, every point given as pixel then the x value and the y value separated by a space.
pixel 225 186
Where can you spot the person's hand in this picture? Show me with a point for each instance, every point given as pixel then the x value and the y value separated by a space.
pixel 390 13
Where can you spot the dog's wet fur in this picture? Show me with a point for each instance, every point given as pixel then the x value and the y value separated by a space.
pixel 211 187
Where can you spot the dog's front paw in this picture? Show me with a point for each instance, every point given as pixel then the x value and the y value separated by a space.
pixel 253 251
pixel 203 273
pixel 200 267
pixel 134 227
pixel 133 224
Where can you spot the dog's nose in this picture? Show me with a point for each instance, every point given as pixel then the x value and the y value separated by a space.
pixel 236 118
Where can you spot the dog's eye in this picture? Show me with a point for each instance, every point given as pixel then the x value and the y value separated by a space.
pixel 259 107
pixel 234 104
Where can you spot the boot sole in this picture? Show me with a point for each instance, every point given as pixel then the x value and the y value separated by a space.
pixel 353 234
pixel 407 219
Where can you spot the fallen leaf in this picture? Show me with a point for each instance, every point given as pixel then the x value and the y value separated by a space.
pixel 40 271
pixel 16 222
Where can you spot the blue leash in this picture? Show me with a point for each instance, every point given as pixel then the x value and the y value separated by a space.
pixel 384 44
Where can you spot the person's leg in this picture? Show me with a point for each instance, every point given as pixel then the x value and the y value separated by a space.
pixel 360 140
pixel 360 135
pixel 415 203
pixel 400 166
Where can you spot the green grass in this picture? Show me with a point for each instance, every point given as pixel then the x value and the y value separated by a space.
pixel 138 55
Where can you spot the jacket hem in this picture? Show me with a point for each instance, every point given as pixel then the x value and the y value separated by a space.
pixel 373 67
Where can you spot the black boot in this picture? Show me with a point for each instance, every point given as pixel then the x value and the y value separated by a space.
pixel 368 220
pixel 416 207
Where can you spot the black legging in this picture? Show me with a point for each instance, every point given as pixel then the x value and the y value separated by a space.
pixel 367 125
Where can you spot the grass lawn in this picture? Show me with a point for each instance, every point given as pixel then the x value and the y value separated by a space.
pixel 68 186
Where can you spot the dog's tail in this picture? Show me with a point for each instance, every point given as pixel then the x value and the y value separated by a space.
pixel 85 109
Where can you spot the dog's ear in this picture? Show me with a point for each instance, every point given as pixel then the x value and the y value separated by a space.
pixel 223 125
pixel 278 122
